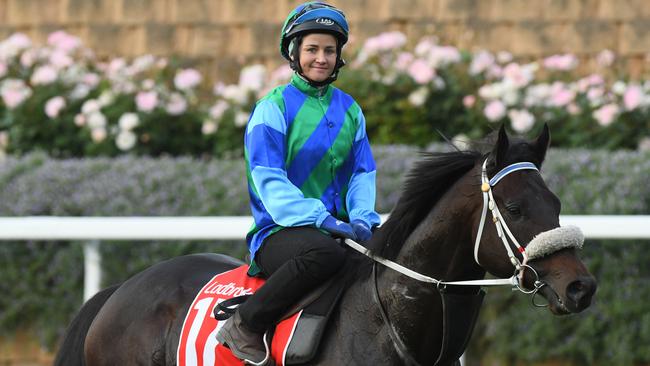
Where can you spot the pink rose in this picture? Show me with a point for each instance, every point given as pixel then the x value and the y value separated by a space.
pixel 605 58
pixel 444 55
pixel 28 58
pixel 573 109
pixel 60 59
pixel 561 95
pixel 252 77
pixel 425 45
pixel 91 79
pixel 469 101
pixel 146 101
pixel 495 110
pixel 564 62
pixel 421 72
pixel 44 75
pixel 632 97
pixel 14 92
pixel 54 106
pixel 516 75
pixel 63 41
pixel 606 114
pixel 13 45
pixel 177 105
pixel 481 61
pixel 280 75
pixel 385 42
pixel 403 61
pixel 218 109
pixel 187 79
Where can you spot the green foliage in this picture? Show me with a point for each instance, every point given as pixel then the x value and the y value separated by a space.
pixel 41 285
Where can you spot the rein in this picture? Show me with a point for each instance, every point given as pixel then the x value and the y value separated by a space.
pixel 488 202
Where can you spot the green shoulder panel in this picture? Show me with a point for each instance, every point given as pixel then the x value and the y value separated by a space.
pixel 275 96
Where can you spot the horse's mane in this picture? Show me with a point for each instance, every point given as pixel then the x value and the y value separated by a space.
pixel 426 182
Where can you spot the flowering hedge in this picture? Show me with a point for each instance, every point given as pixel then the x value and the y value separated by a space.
pixel 408 94
pixel 61 99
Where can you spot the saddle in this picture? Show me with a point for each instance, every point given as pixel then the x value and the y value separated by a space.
pixel 297 336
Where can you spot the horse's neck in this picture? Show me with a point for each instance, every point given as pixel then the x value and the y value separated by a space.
pixel 439 247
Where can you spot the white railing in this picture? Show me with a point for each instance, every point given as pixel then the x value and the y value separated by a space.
pixel 92 230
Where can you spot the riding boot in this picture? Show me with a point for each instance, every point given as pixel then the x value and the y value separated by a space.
pixel 245 344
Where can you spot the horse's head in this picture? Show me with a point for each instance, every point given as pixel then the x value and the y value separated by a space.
pixel 524 206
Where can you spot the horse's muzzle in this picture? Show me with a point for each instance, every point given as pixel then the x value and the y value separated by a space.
pixel 579 293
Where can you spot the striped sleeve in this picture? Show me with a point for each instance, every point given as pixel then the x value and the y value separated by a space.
pixel 266 147
pixel 361 195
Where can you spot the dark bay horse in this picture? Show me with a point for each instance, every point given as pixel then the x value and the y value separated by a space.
pixel 384 317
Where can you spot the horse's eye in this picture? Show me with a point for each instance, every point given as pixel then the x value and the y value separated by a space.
pixel 513 209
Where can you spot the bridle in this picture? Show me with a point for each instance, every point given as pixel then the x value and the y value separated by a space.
pixel 503 231
pixel 501 227
pixel 516 281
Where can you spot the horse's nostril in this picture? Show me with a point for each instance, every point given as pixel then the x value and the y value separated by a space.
pixel 580 292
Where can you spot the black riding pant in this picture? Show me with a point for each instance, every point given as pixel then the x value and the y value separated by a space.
pixel 295 261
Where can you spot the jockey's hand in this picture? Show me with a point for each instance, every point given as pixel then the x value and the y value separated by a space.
pixel 338 228
pixel 361 230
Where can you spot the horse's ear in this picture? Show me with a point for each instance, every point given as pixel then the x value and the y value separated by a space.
pixel 542 142
pixel 501 147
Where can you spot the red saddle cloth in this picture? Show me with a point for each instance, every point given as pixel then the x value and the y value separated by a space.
pixel 198 345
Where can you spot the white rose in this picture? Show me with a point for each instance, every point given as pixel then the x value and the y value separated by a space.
pixel 418 96
pixel 209 127
pixel 98 134
pixel 96 120
pixel 521 120
pixel 241 118
pixel 106 98
pixel 128 121
pixel 125 140
pixel 90 106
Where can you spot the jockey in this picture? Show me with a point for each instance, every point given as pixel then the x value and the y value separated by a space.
pixel 311 178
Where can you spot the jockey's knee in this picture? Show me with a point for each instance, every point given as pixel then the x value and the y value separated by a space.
pixel 325 259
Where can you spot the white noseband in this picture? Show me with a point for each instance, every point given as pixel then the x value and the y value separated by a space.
pixel 551 241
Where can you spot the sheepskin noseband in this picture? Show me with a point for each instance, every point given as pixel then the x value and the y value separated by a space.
pixel 551 241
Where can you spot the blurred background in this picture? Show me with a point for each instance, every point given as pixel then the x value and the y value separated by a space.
pixel 137 108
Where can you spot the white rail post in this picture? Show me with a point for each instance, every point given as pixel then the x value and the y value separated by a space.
pixel 92 269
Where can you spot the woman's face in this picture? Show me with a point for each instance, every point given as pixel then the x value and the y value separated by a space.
pixel 318 56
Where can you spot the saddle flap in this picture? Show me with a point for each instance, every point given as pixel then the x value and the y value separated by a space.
pixel 310 327
pixel 306 338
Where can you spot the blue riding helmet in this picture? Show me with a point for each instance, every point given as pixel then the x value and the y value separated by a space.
pixel 313 17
